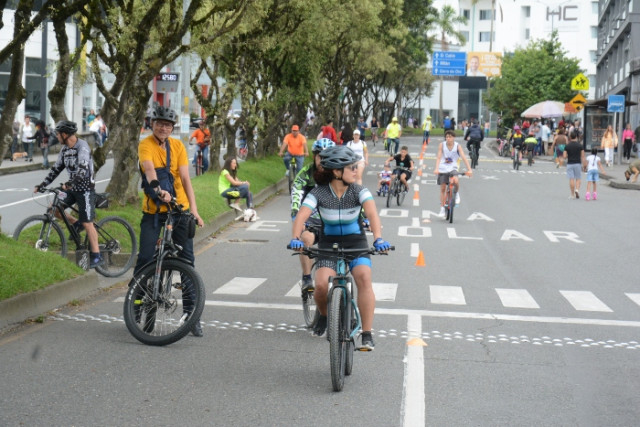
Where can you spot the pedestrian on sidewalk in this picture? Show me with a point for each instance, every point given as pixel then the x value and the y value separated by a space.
pixel 628 139
pixel 593 164
pixel 608 144
pixel 27 130
pixel 574 156
pixel 41 139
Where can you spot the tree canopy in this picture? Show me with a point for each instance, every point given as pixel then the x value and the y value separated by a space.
pixel 541 71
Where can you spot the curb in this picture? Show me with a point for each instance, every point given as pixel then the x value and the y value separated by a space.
pixel 25 306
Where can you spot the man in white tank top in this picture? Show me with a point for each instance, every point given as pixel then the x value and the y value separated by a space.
pixel 447 166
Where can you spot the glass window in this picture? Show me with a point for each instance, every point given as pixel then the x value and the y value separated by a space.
pixel 485 36
pixel 465 34
pixel 592 56
pixel 5 67
pixel 33 66
pixel 4 87
pixel 594 32
pixel 32 101
pixel 594 7
pixel 466 13
pixel 527 33
pixel 485 14
pixel 526 11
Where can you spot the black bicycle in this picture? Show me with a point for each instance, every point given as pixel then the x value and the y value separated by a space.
pixel 343 317
pixel 516 156
pixel 116 238
pixel 293 171
pixel 165 297
pixel 474 156
pixel 397 189
pixel 199 161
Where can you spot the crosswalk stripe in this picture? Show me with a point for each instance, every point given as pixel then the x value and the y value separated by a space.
pixel 634 297
pixel 383 291
pixel 516 298
pixel 240 285
pixel 447 295
pixel 585 301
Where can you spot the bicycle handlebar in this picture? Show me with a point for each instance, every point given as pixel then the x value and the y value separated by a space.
pixel 339 252
pixel 173 204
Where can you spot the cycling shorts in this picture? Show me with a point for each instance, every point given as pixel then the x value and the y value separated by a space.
pixel 86 201
pixel 347 242
pixel 406 173
pixel 443 178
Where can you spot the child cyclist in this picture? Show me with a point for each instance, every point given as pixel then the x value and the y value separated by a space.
pixel 304 183
pixel 593 163
pixel 530 143
pixel 446 169
pixel 385 180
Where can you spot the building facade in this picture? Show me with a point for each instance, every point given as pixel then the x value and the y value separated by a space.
pixel 618 54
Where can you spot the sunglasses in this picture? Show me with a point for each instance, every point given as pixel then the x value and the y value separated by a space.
pixel 353 167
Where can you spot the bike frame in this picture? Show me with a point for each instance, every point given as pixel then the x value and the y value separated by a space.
pixel 57 206
pixel 342 280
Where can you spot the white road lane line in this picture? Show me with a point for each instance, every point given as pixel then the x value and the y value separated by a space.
pixel 585 301
pixel 413 392
pixel 633 297
pixel 518 298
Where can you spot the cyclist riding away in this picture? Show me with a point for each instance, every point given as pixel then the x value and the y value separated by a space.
pixel 202 136
pixel 303 184
pixel 75 156
pixel 403 160
pixel 446 169
pixel 296 146
pixel 339 202
pixel 530 143
pixel 165 159
pixel 474 136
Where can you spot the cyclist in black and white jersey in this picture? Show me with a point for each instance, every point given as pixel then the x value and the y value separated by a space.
pixel 339 201
pixel 75 156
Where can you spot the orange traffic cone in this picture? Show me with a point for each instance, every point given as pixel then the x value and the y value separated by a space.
pixel 420 260
pixel 416 196
pixel 420 172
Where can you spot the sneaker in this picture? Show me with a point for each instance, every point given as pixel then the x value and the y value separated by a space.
pixel 442 212
pixel 286 173
pixel 307 285
pixel 197 329
pixel 95 262
pixel 457 199
pixel 577 193
pixel 595 196
pixel 235 206
pixel 321 326
pixel 379 193
pixel 367 342
pixel 587 196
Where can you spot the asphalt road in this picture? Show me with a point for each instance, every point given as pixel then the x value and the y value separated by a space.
pixel 526 312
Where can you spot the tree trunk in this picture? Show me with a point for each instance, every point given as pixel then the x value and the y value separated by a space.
pixel 57 93
pixel 16 92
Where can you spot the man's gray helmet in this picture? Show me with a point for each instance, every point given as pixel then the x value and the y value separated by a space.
pixel 164 113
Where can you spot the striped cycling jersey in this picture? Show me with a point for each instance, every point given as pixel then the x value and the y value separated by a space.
pixel 340 216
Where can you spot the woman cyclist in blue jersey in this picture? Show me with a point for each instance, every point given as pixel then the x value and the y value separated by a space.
pixel 339 201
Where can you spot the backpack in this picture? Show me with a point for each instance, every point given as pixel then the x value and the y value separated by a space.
pixel 447 123
pixel 475 133
pixel 165 177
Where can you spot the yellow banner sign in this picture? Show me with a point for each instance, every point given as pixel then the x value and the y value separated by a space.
pixel 484 64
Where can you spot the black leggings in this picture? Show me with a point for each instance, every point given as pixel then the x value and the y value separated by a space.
pixel 627 148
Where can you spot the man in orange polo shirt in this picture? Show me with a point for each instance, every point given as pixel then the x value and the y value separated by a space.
pixel 296 146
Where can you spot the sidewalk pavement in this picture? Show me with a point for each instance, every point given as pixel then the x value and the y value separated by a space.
pixel 613 174
pixel 23 307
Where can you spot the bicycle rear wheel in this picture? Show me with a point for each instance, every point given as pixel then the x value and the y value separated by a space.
pixel 170 316
pixel 118 247
pixel 336 332
pixel 199 165
pixel 350 344
pixel 530 158
pixel 41 233
pixel 447 201
pixel 309 309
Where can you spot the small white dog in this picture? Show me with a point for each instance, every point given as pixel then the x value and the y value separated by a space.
pixel 250 215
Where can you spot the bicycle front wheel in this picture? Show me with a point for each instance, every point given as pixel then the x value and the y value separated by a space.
pixel 41 233
pixel 199 165
pixel 391 192
pixel 336 331
pixel 401 193
pixel 292 174
pixel 350 344
pixel 452 205
pixel 309 309
pixel 171 315
pixel 118 247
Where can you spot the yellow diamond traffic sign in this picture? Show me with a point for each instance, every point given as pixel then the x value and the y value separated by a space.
pixel 580 82
pixel 578 101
